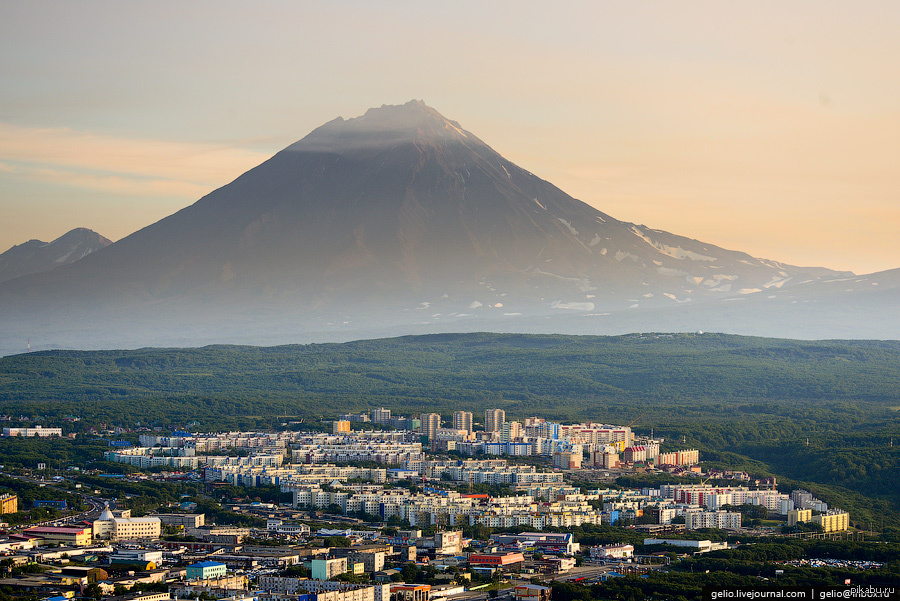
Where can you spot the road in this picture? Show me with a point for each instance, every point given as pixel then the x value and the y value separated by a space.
pixel 96 505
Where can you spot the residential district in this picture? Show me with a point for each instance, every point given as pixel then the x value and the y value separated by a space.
pixel 388 508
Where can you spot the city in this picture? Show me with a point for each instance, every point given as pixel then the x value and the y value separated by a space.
pixel 387 507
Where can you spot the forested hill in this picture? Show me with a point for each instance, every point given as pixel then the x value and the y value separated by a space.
pixel 661 378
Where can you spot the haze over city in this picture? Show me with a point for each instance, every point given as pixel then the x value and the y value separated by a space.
pixel 767 128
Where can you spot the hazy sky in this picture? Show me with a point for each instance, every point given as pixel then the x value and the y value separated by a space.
pixel 767 127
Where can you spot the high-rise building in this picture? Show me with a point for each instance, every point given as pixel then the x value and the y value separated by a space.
pixel 462 420
pixel 510 431
pixel 381 416
pixel 430 422
pixel 341 427
pixel 493 420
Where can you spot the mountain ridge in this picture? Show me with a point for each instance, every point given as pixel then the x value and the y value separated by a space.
pixel 36 256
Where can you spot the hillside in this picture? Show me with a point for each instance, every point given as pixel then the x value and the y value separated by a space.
pixel 564 377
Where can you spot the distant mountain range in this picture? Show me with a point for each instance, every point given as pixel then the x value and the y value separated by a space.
pixel 400 221
pixel 35 256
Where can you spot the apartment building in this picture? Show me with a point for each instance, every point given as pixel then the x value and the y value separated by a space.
pixel 493 419
pixel 462 420
pixel 712 519
pixel 834 520
pixel 9 504
pixel 429 424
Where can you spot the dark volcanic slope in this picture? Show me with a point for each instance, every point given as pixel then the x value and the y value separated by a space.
pixel 35 256
pixel 398 216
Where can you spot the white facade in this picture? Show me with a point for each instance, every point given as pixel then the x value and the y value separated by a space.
pixel 712 519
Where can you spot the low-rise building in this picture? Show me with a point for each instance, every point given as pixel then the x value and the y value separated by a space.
pixel 107 526
pixel 205 570
pixel 411 592
pixel 185 520
pixel 76 537
pixel 696 546
pixel 326 569
pixel 137 556
pixel 622 551
pixel 30 432
pixel 532 592
pixel 496 560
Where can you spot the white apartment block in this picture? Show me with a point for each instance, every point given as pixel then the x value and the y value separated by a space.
pixel 723 520
pixel 31 432
pixel 380 452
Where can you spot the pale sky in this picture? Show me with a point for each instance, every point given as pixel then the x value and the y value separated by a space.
pixel 767 127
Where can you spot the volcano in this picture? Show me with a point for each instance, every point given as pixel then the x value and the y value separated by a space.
pixel 393 222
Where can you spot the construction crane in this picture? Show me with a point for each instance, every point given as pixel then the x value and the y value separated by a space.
pixel 636 419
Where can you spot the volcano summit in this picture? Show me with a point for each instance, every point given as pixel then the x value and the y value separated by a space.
pixel 399 221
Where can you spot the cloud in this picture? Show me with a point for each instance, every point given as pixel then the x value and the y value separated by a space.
pixel 132 166
pixel 114 184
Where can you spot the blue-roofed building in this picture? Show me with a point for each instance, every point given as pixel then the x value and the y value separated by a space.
pixel 206 569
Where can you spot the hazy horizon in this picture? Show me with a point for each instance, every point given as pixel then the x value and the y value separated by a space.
pixel 770 129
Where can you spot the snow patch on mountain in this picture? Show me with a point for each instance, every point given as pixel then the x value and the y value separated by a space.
pixel 449 125
pixel 776 282
pixel 621 254
pixel 572 230
pixel 671 271
pixel 573 306
pixel 583 284
pixel 676 252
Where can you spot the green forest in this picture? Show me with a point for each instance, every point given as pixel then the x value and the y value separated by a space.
pixel 820 414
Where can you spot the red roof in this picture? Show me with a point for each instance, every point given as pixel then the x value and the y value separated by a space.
pixel 55 530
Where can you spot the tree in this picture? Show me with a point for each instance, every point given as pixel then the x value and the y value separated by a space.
pixel 409 572
pixel 336 541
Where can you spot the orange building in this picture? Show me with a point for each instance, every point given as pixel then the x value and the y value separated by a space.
pixel 411 592
pixel 9 504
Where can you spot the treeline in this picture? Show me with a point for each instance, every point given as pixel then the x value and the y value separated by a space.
pixel 563 377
